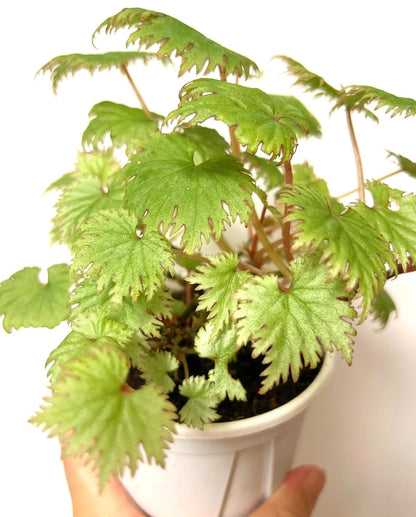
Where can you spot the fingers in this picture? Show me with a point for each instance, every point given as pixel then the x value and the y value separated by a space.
pixel 296 496
pixel 89 501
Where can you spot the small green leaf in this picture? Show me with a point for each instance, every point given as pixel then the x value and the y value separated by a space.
pixel 192 47
pixel 92 411
pixel 95 325
pixel 125 126
pixel 221 348
pixel 171 192
pixel 26 302
pixel 270 121
pixel 285 326
pixel 135 264
pixel 357 98
pixel 201 404
pixel 310 81
pixel 345 237
pixel 383 308
pixel 156 367
pixel 218 280
pixel 61 66
pixel 405 164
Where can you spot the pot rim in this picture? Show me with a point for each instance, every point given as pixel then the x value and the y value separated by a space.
pixel 262 422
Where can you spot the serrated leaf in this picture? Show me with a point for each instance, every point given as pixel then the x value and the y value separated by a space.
pixel 383 308
pixel 123 124
pixel 310 81
pixel 61 66
pixel 207 142
pixel 192 47
pixel 345 237
pixel 156 367
pixel 27 302
pixel 202 401
pixel 170 192
pixel 110 247
pixel 268 121
pixel 358 97
pixel 93 412
pixel 218 280
pixel 80 200
pixel 283 326
pixel 405 164
pixel 394 217
pixel 221 348
pixel 95 325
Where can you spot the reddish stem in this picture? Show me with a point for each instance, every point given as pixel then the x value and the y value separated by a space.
pixel 286 224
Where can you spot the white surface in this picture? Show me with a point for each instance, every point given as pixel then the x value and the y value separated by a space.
pixel 362 428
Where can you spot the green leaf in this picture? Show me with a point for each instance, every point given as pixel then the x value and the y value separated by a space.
pixel 96 325
pixel 310 81
pixel 202 401
pixel 357 98
pixel 26 302
pixel 156 367
pixel 394 217
pixel 265 169
pixel 405 164
pixel 111 246
pixel 173 193
pixel 61 66
pixel 79 201
pixel 141 315
pixel 345 237
pixel 92 411
pixel 270 121
pixel 207 142
pixel 283 326
pixel 219 280
pixel 192 47
pixel 221 348
pixel 383 308
pixel 123 124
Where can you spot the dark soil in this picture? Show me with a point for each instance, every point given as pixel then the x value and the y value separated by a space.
pixel 248 371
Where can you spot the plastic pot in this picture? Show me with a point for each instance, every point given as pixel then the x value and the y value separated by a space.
pixel 229 468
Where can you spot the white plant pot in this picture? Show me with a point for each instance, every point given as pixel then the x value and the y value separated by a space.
pixel 227 469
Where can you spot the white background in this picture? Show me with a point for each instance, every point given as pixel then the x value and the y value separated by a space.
pixel 362 428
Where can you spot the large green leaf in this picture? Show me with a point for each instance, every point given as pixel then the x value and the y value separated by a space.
pixel 394 216
pixel 123 124
pixel 27 302
pixel 218 280
pixel 270 121
pixel 111 247
pixel 168 189
pixel 286 326
pixel 81 199
pixel 61 66
pixel 93 411
pixel 346 238
pixel 192 47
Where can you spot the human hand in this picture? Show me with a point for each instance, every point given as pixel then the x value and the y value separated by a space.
pixel 296 496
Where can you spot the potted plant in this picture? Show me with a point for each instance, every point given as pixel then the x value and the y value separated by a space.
pixel 169 319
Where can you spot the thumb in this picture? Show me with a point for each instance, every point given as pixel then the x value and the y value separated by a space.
pixel 296 496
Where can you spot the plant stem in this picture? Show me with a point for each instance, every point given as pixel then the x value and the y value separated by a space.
pixel 255 238
pixel 273 255
pixel 286 224
pixel 235 145
pixel 357 156
pixel 382 178
pixel 145 109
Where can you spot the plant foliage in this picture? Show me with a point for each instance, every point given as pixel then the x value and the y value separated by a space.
pixel 195 245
